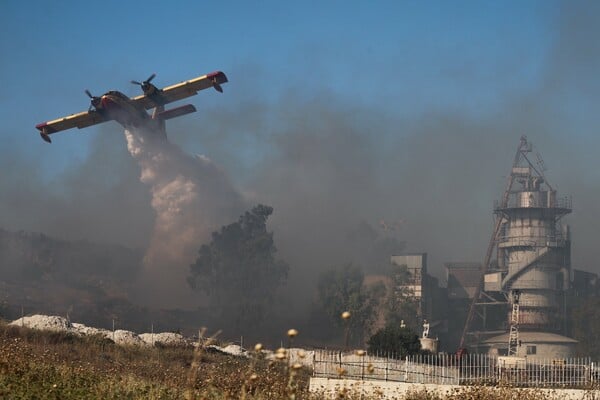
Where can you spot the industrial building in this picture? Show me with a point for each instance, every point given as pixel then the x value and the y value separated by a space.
pixel 533 345
pixel 584 284
pixel 425 288
pixel 517 301
pixel 462 280
pixel 530 278
pixel 418 280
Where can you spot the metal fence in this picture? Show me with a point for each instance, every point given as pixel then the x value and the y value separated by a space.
pixel 471 369
pixel 335 364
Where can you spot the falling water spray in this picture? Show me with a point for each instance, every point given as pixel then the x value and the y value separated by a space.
pixel 191 198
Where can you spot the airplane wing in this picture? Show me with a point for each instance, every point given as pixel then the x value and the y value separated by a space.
pixel 182 90
pixel 79 120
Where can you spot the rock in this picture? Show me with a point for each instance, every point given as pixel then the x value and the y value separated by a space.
pixel 232 349
pixel 127 338
pixel 164 338
pixel 44 323
pixel 83 330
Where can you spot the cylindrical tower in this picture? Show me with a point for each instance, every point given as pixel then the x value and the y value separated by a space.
pixel 534 249
pixel 532 270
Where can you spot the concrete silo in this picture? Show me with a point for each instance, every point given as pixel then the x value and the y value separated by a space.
pixel 533 251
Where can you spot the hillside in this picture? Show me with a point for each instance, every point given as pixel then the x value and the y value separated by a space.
pixel 88 282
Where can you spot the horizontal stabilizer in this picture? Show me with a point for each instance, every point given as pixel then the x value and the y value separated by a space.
pixel 176 112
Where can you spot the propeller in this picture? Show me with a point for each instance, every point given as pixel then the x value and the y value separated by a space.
pixel 144 83
pixel 95 100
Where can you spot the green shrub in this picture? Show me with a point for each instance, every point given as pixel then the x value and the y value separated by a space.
pixel 394 341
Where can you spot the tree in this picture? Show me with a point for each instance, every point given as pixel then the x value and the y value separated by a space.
pixel 395 341
pixel 342 289
pixel 238 270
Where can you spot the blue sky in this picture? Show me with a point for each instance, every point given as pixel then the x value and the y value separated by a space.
pixel 403 56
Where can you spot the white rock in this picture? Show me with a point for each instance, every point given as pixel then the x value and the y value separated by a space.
pixel 123 337
pixel 165 338
pixel 232 349
pixel 44 322
pixel 83 330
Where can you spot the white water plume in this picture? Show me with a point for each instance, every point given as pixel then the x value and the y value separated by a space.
pixel 192 198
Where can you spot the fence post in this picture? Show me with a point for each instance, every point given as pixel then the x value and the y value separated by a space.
pixel 362 372
pixel 386 368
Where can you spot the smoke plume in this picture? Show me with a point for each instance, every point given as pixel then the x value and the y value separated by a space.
pixel 327 163
pixel 191 198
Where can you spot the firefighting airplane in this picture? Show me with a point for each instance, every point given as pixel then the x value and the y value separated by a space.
pixel 131 112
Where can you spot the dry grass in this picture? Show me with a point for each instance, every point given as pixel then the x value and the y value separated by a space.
pixel 49 365
pixel 56 365
pixel 482 393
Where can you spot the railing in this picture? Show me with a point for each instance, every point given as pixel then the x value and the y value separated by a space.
pixel 471 369
pixel 335 364
pixel 564 203
pixel 549 373
pixel 556 239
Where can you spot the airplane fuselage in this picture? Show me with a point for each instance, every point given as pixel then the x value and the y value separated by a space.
pixel 115 105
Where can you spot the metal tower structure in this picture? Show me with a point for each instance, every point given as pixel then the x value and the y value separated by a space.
pixel 533 251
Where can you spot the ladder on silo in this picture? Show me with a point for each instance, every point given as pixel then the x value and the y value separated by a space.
pixel 513 336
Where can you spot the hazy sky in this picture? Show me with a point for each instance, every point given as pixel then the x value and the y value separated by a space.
pixel 336 112
pixel 402 56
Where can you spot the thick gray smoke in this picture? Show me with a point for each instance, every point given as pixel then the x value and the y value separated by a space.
pixel 98 199
pixel 328 163
pixel 192 198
